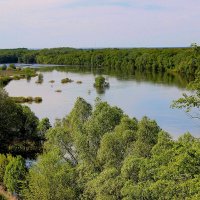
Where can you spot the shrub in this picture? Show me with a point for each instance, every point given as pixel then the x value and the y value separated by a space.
pixel 15 174
pixel 3 164
pixel 12 66
pixel 100 82
pixel 40 78
pixel 38 99
pixel 4 67
pixel 66 80
pixel 52 81
pixel 27 99
pixel 16 77
pixel 5 80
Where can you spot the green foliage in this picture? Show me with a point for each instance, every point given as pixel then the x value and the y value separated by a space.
pixel 106 185
pixel 40 78
pixel 101 153
pixel 61 139
pixel 66 80
pixel 28 72
pixel 10 118
pixel 2 197
pixel 38 99
pixel 184 60
pixel 43 126
pixel 12 66
pixel 14 175
pixel 4 67
pixel 18 128
pixel 52 178
pixel 79 114
pixel 147 135
pixel 190 103
pixel 99 82
pixel 3 164
pixel 4 81
pixel 26 99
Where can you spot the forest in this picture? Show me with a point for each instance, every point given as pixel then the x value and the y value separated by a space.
pixel 99 152
pixel 181 60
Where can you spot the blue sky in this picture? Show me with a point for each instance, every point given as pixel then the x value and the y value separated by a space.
pixel 99 23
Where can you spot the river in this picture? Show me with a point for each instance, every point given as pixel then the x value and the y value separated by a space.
pixel 136 96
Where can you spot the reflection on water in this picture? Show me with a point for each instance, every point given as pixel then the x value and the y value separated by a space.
pixel 177 80
pixel 138 94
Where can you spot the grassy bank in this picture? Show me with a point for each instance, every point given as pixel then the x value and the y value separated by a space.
pixel 15 74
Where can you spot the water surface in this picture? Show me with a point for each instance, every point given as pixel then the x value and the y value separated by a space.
pixel 137 97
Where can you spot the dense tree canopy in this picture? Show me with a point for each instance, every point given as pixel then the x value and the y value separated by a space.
pixel 20 130
pixel 101 153
pixel 184 60
pixel 15 173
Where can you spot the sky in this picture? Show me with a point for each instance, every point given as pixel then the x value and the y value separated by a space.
pixel 99 23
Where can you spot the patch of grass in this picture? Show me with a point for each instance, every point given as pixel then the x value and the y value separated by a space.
pixel 15 74
pixel 16 77
pixel 79 82
pixel 5 80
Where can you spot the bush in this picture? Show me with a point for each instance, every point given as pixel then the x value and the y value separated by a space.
pixel 15 174
pixel 66 80
pixel 40 78
pixel 52 81
pixel 12 66
pixel 5 80
pixel 16 77
pixel 38 99
pixel 100 82
pixel 26 99
pixel 4 67
pixel 3 164
pixel 28 72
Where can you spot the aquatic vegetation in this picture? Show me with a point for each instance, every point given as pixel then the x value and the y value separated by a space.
pixel 66 80
pixel 51 81
pixel 26 99
pixel 40 79
pixel 58 91
pixel 100 82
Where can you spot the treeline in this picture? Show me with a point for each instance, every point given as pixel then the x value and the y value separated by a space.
pixel 184 60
